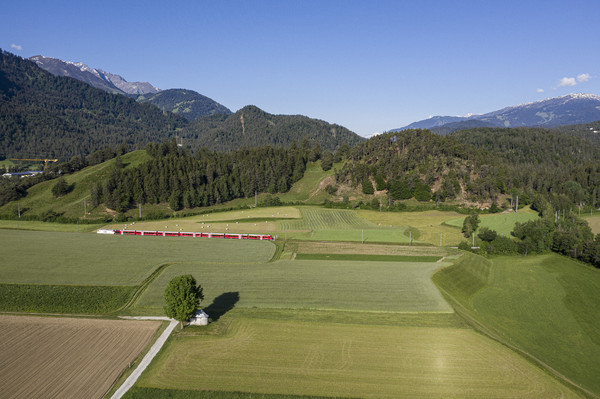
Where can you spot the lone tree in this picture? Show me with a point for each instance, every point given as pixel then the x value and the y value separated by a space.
pixel 182 297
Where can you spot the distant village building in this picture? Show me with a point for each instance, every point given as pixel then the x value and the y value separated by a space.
pixel 199 318
pixel 23 174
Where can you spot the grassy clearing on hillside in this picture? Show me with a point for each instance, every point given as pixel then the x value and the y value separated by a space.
pixel 40 198
pixel 546 305
pixel 321 359
pixel 426 226
pixel 306 189
pixel 304 284
pixel 594 222
pixel 90 259
pixel 502 223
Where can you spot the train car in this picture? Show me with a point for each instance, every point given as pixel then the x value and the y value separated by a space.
pixel 187 234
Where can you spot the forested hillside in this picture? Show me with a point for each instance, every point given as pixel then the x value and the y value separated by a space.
pixel 589 131
pixel 45 116
pixel 186 103
pixel 531 145
pixel 478 167
pixel 252 127
pixel 204 178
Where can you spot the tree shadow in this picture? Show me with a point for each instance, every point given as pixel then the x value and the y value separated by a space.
pixel 222 304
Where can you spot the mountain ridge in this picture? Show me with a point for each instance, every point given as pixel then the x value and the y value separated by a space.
pixel 570 109
pixel 93 76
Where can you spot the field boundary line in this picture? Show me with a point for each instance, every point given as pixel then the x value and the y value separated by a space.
pixel 491 333
pixel 145 285
pixel 156 347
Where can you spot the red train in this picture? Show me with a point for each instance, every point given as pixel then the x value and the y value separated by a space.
pixel 187 234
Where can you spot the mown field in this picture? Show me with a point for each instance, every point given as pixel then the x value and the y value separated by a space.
pixel 547 306
pixel 91 273
pixel 66 358
pixel 346 360
pixel 309 284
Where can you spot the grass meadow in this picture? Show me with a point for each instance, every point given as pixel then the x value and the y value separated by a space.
pixel 309 284
pixel 547 306
pixel 292 357
pixel 502 223
pixel 59 272
pixel 95 259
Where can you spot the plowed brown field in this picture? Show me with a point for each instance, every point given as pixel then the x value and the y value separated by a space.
pixel 66 358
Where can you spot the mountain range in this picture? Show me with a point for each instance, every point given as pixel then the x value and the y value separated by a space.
pixel 94 77
pixel 187 103
pixel 47 116
pixel 570 109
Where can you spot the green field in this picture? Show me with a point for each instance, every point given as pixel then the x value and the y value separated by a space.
pixel 346 360
pixel 547 306
pixel 502 223
pixel 306 284
pixel 94 259
pixel 426 226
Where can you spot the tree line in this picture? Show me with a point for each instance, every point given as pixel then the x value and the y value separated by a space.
pixel 184 180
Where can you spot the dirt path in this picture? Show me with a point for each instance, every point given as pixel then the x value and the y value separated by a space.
pixel 149 356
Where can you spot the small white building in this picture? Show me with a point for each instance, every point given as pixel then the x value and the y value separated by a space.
pixel 199 318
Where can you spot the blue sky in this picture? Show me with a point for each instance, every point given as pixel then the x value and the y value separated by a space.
pixel 367 65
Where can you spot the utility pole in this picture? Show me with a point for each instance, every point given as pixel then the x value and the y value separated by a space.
pixel 410 238
pixel 140 211
pixel 517 208
pixel 473 244
pixel 255 199
pixel 84 208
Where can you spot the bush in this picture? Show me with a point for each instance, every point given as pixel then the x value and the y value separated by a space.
pixel 62 188
pixel 367 186
pixel 485 234
pixel 331 189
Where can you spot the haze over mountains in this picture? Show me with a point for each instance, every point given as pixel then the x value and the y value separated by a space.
pixel 570 109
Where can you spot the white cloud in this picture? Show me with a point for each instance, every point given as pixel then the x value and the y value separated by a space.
pixel 540 90
pixel 16 46
pixel 567 82
pixel 584 77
